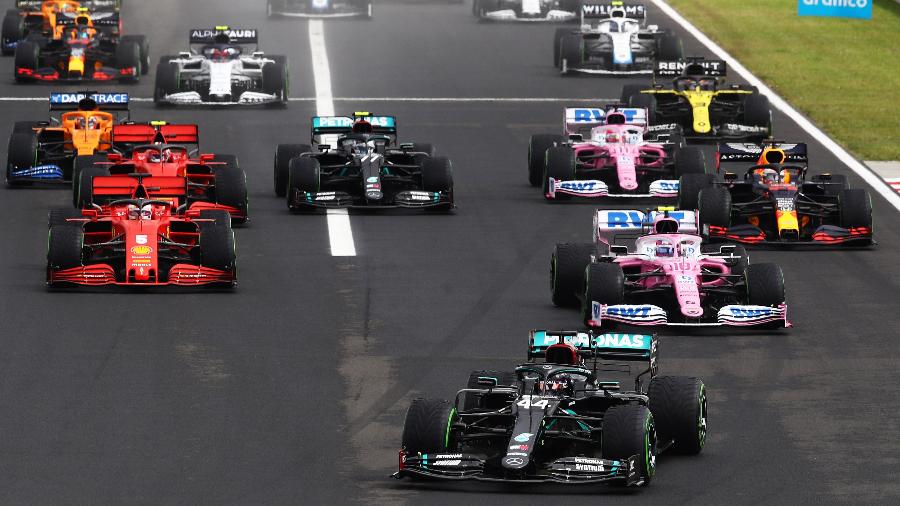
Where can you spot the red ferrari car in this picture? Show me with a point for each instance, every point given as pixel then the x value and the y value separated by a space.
pixel 160 161
pixel 140 242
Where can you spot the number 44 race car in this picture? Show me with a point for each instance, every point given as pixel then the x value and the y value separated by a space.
pixel 774 203
pixel 668 279
pixel 570 418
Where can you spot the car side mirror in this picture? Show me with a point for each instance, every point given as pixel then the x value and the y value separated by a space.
pixel 258 54
pixel 727 250
pixel 729 176
pixel 576 137
pixel 184 54
pixel 825 177
pixel 618 249
pixel 207 157
pixel 324 147
pixel 407 146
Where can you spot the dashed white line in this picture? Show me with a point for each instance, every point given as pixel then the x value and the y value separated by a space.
pixel 340 234
pixel 861 170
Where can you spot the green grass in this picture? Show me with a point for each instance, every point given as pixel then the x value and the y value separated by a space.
pixel 842 73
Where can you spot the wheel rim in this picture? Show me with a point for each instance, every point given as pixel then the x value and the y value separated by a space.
pixel 650 446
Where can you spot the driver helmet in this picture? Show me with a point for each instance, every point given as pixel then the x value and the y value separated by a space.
pixel 147 212
pixel 785 176
pixel 133 212
pixel 707 83
pixel 767 176
pixel 562 353
pixel 560 385
pixel 361 148
pixel 664 249
pixel 154 156
pixel 362 127
pixel 613 137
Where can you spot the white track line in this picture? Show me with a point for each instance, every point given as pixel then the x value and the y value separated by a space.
pixel 339 233
pixel 855 165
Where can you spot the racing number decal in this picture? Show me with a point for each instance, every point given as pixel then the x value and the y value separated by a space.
pixel 528 403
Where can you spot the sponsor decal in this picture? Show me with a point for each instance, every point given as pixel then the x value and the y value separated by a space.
pixel 636 219
pixel 585 115
pixel 40 171
pixel 372 179
pixel 584 460
pixel 859 9
pixel 586 186
pixel 514 461
pixel 140 239
pixel 589 468
pixel 679 66
pixel 521 454
pixel 420 196
pixel 603 10
pixel 750 313
pixel 446 463
pixel 635 341
pixel 141 250
pixel 744 128
pixel 448 456
pixel 232 33
pixel 523 448
pixel 346 122
pixel 325 196
pixel 100 98
pixel 629 312
pixel 665 186
pixel 785 203
pixel 662 128
pixel 523 437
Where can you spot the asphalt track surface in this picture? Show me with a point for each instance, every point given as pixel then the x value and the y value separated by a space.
pixel 293 388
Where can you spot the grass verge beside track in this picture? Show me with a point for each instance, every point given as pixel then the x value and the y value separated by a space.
pixel 842 73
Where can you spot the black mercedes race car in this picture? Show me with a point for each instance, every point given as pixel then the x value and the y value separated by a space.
pixel 319 8
pixel 774 203
pixel 573 417
pixel 356 162
pixel 700 102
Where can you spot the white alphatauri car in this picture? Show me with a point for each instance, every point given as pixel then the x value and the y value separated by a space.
pixel 613 39
pixel 218 70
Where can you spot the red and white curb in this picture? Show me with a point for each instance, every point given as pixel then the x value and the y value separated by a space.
pixel 889 171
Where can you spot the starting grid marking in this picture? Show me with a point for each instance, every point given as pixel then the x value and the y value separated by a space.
pixel 388 99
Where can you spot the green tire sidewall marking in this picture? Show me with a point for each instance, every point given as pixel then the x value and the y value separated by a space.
pixel 649 466
pixel 447 429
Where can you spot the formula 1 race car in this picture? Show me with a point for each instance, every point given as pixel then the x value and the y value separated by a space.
pixel 608 153
pixel 669 278
pixel 159 161
pixel 220 72
pixel 526 10
pixel 39 18
pixel 366 168
pixel 701 103
pixel 319 8
pixel 613 39
pixel 774 203
pixel 53 151
pixel 84 47
pixel 570 418
pixel 141 242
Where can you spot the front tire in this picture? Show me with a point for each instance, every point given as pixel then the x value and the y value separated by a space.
pixel 537 154
pixel 65 247
pixel 284 153
pixel 765 284
pixel 630 430
pixel 714 205
pixel 427 428
pixel 678 404
pixel 604 283
pixel 217 250
pixel 567 265
pixel 558 164
pixel 855 208
pixel 689 187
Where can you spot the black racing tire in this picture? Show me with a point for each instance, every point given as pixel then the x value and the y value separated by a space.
pixel 59 216
pixel 83 192
pixel 24 127
pixel 714 205
pixel 557 44
pixel 630 90
pixel 537 154
pixel 231 186
pixel 65 247
pixel 472 400
pixel 855 208
pixel 765 284
pixel 275 80
pixel 28 55
pixel 647 101
pixel 304 175
pixel 284 153
pixel 571 51
pixel 144 46
pixel 13 29
pixel 559 164
pixel 604 282
pixel 217 250
pixel 689 160
pixel 832 183
pixel 678 404
pixel 21 153
pixel 427 428
pixel 689 186
pixel 567 265
pixel 437 174
pixel 128 55
pixel 630 430
pixel 669 47
pixel 82 162
pixel 757 111
pixel 166 80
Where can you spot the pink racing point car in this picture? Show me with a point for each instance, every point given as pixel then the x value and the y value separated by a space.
pixel 610 153
pixel 669 279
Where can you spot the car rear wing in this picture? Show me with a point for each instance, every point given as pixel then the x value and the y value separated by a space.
pixel 340 125
pixel 750 152
pixel 579 120
pixel 133 134
pixel 604 10
pixel 690 67
pixel 124 186
pixel 610 346
pixel 98 19
pixel 29 5
pixel 72 101
pixel 235 35
pixel 611 226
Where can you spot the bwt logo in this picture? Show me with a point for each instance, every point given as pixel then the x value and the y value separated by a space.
pixel 579 186
pixel 634 219
pixel 665 185
pixel 629 311
pixel 588 115
pixel 750 313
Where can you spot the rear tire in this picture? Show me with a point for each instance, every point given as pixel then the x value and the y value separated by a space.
pixel 647 101
pixel 630 90
pixel 13 30
pixel 231 186
pixel 83 162
pixel 571 51
pixel 757 112
pixel 128 56
pixel 678 404
pixel 427 426
pixel 670 47
pixel 59 216
pixel 629 430
pixel 567 265
pixel 27 57
pixel 856 208
pixel 21 154
pixel 765 284
pixel 714 205
pixel 65 247
pixel 217 249
pixel 689 160
pixel 284 153
pixel 166 80
pixel 559 164
pixel 537 154
pixel 604 282
pixel 83 192
pixel 689 187
pixel 144 47
pixel 275 81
